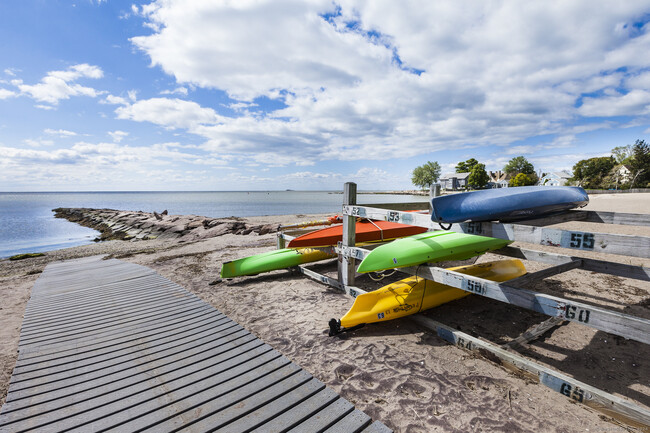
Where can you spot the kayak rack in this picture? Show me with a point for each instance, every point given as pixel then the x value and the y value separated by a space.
pixel 559 309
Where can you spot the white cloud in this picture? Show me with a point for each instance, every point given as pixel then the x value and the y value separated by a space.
pixel 114 100
pixel 170 113
pixel 176 91
pixel 118 136
pixel 37 143
pixel 57 85
pixel 45 107
pixel 4 93
pixel 634 103
pixel 11 71
pixel 60 132
pixel 382 79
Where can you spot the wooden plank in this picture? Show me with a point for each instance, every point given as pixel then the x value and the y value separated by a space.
pixel 418 205
pixel 622 218
pixel 637 246
pixel 81 354
pixel 376 427
pixel 111 337
pixel 299 413
pixel 317 422
pixel 627 245
pixel 611 405
pixel 619 218
pixel 145 407
pixel 161 358
pixel 544 273
pixel 354 421
pixel 534 332
pixel 349 290
pixel 233 403
pixel 52 351
pixel 106 317
pixel 101 330
pixel 72 374
pixel 267 411
pixel 174 373
pixel 596 317
pixel 603 267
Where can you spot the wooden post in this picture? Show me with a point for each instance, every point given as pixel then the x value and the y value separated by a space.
pixel 280 243
pixel 434 191
pixel 346 264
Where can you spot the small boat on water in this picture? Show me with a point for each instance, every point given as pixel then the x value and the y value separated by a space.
pixel 507 204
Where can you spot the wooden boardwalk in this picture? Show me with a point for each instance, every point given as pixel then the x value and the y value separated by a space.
pixel 110 345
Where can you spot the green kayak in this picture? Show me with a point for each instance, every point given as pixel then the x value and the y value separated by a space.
pixel 271 261
pixel 428 247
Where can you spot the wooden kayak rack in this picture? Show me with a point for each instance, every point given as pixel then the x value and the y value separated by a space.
pixel 512 292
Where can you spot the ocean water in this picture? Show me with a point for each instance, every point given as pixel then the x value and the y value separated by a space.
pixel 27 223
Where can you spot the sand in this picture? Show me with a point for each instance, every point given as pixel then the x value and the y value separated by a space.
pixel 397 372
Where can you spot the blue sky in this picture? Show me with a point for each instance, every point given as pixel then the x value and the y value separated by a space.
pixel 254 95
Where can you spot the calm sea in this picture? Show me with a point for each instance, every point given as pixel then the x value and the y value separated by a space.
pixel 27 223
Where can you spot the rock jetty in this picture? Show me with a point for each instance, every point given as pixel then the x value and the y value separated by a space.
pixel 127 225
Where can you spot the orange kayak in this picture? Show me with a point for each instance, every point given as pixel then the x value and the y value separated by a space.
pixel 366 231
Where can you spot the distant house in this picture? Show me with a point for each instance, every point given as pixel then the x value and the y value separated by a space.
pixel 498 179
pixel 454 181
pixel 557 178
pixel 623 173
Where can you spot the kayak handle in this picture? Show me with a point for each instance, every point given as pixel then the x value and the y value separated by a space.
pixel 336 329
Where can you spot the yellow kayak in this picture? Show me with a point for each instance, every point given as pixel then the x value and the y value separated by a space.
pixel 414 294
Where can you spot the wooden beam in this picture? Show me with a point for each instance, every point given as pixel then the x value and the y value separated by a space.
pixel 534 332
pixel 280 241
pixel 620 218
pixel 619 269
pixel 418 205
pixel 346 263
pixel 614 322
pixel 611 405
pixel 544 273
pixel 631 219
pixel 349 290
pixel 627 245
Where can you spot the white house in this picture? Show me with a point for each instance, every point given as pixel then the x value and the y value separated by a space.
pixel 454 181
pixel 557 178
pixel 498 179
pixel 623 173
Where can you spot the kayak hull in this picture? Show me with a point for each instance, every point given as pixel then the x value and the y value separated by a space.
pixel 271 261
pixel 365 232
pixel 507 204
pixel 428 248
pixel 414 294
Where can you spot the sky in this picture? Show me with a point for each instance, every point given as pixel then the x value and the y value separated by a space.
pixel 171 95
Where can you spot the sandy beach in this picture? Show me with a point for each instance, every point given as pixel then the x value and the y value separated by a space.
pixel 397 372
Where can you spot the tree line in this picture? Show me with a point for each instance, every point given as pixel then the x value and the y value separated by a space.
pixel 520 170
pixel 627 167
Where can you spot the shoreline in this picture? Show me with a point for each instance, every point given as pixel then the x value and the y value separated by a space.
pixel 396 372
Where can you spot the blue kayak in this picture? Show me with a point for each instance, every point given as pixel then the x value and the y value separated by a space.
pixel 507 204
